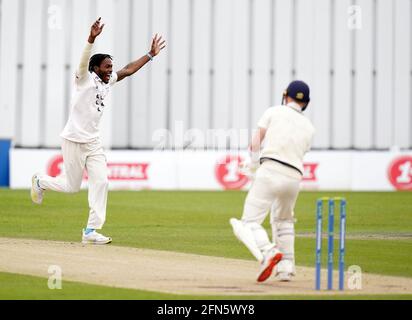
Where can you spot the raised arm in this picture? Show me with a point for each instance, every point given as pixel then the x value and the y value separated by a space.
pixel 133 67
pixel 95 30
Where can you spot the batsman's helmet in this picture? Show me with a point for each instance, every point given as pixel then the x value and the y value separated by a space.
pixel 299 91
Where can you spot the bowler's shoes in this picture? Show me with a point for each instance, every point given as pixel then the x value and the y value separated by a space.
pixel 95 238
pixel 271 259
pixel 36 191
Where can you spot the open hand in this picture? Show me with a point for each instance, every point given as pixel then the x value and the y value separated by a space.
pixel 157 45
pixel 95 30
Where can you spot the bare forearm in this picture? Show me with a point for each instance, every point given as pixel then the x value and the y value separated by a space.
pixel 257 140
pixel 255 146
pixel 132 67
pixel 135 66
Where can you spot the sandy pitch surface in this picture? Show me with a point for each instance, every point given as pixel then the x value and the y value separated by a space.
pixel 168 272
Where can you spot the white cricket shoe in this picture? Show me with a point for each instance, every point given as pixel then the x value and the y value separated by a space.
pixel 95 238
pixel 285 270
pixel 36 191
pixel 271 259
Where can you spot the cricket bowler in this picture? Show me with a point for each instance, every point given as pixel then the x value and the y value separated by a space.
pixel 81 144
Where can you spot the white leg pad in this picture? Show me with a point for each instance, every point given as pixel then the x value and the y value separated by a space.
pixel 247 237
pixel 261 237
pixel 285 238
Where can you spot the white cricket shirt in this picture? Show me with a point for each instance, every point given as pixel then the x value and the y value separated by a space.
pixel 88 102
pixel 289 134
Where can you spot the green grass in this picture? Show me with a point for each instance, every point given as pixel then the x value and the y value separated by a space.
pixel 197 222
pixel 22 287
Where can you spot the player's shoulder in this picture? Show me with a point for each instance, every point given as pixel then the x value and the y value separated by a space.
pixel 275 109
pixel 83 81
pixel 309 124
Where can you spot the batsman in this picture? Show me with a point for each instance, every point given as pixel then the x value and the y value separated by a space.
pixel 283 137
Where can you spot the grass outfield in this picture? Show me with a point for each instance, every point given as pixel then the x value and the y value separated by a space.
pixel 19 287
pixel 197 222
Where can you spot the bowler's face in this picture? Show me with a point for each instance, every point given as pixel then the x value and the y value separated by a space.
pixel 105 70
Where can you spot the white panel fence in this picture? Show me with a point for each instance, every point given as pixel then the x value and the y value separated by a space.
pixel 225 63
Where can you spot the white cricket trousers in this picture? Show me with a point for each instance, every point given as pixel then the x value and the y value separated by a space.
pixel 275 186
pixel 275 189
pixel 76 158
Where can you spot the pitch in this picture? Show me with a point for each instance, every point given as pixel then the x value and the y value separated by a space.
pixel 379 240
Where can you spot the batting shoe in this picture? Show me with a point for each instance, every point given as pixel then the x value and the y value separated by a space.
pixel 95 238
pixel 36 191
pixel 271 259
pixel 285 270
